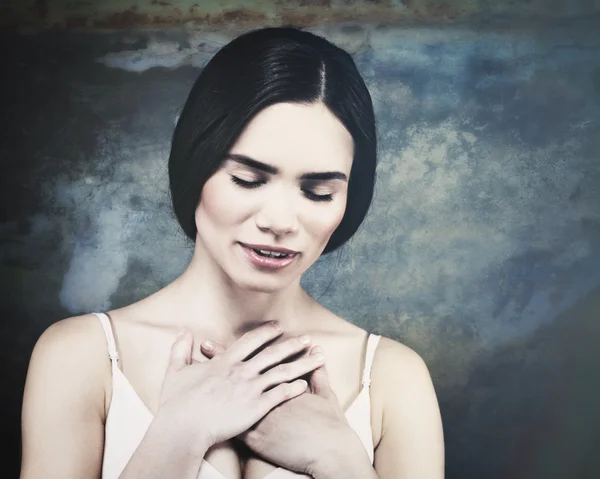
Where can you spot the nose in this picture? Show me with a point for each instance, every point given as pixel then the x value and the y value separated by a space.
pixel 278 216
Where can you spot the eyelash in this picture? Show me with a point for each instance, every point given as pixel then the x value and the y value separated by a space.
pixel 255 184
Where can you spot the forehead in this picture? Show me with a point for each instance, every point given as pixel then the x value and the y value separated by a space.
pixel 297 139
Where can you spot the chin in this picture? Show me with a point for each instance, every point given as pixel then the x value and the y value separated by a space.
pixel 261 285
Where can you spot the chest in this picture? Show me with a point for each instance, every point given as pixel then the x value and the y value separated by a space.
pixel 144 364
pixel 345 365
pixel 359 416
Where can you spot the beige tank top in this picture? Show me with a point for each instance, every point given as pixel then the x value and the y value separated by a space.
pixel 128 418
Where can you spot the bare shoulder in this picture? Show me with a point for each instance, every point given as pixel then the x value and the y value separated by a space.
pixel 71 351
pixel 394 359
pixel 74 339
pixel 399 374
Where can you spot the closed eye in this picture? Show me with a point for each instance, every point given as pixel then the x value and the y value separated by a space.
pixel 255 184
pixel 247 184
pixel 314 197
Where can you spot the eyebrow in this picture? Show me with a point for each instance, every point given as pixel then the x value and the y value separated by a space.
pixel 272 170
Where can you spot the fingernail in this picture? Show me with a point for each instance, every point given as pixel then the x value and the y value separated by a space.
pixel 319 358
pixel 318 349
pixel 208 344
pixel 277 325
pixel 304 339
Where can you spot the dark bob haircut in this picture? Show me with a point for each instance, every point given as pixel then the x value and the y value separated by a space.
pixel 256 70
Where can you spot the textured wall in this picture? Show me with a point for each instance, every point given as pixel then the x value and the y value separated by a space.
pixel 77 14
pixel 482 249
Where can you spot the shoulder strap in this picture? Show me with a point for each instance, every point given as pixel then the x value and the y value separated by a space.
pixel 369 355
pixel 110 339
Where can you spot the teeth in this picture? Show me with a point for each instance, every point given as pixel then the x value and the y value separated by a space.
pixel 272 254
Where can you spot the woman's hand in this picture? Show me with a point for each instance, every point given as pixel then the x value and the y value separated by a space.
pixel 219 399
pixel 298 433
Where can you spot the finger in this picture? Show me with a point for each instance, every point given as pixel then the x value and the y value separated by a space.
pixel 199 356
pixel 319 379
pixel 253 340
pixel 211 348
pixel 255 439
pixel 275 354
pixel 285 372
pixel 274 397
pixel 243 437
pixel 181 351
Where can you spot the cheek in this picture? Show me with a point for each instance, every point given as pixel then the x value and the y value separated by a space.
pixel 216 207
pixel 325 221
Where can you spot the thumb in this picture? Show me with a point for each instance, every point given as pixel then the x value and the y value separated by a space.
pixel 181 351
pixel 210 348
pixel 319 379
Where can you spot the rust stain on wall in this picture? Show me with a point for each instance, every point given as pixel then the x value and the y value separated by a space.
pixel 128 18
pixel 237 16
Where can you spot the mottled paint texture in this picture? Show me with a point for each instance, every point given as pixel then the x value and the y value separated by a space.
pixel 119 14
pixel 482 249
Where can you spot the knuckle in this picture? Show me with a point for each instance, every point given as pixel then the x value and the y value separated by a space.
pixel 303 340
pixel 286 390
pixel 255 438
pixel 282 369
pixel 274 328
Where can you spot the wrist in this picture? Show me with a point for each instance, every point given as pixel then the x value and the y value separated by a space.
pixel 344 458
pixel 176 436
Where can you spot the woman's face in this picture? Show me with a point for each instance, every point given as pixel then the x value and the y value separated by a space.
pixel 267 214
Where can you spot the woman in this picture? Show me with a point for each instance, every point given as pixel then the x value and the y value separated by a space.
pixel 272 164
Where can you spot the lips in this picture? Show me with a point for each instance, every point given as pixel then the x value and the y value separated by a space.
pixel 264 247
pixel 268 262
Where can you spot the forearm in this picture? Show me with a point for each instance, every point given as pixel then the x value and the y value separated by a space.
pixel 163 455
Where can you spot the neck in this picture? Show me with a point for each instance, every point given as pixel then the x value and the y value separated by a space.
pixel 204 297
